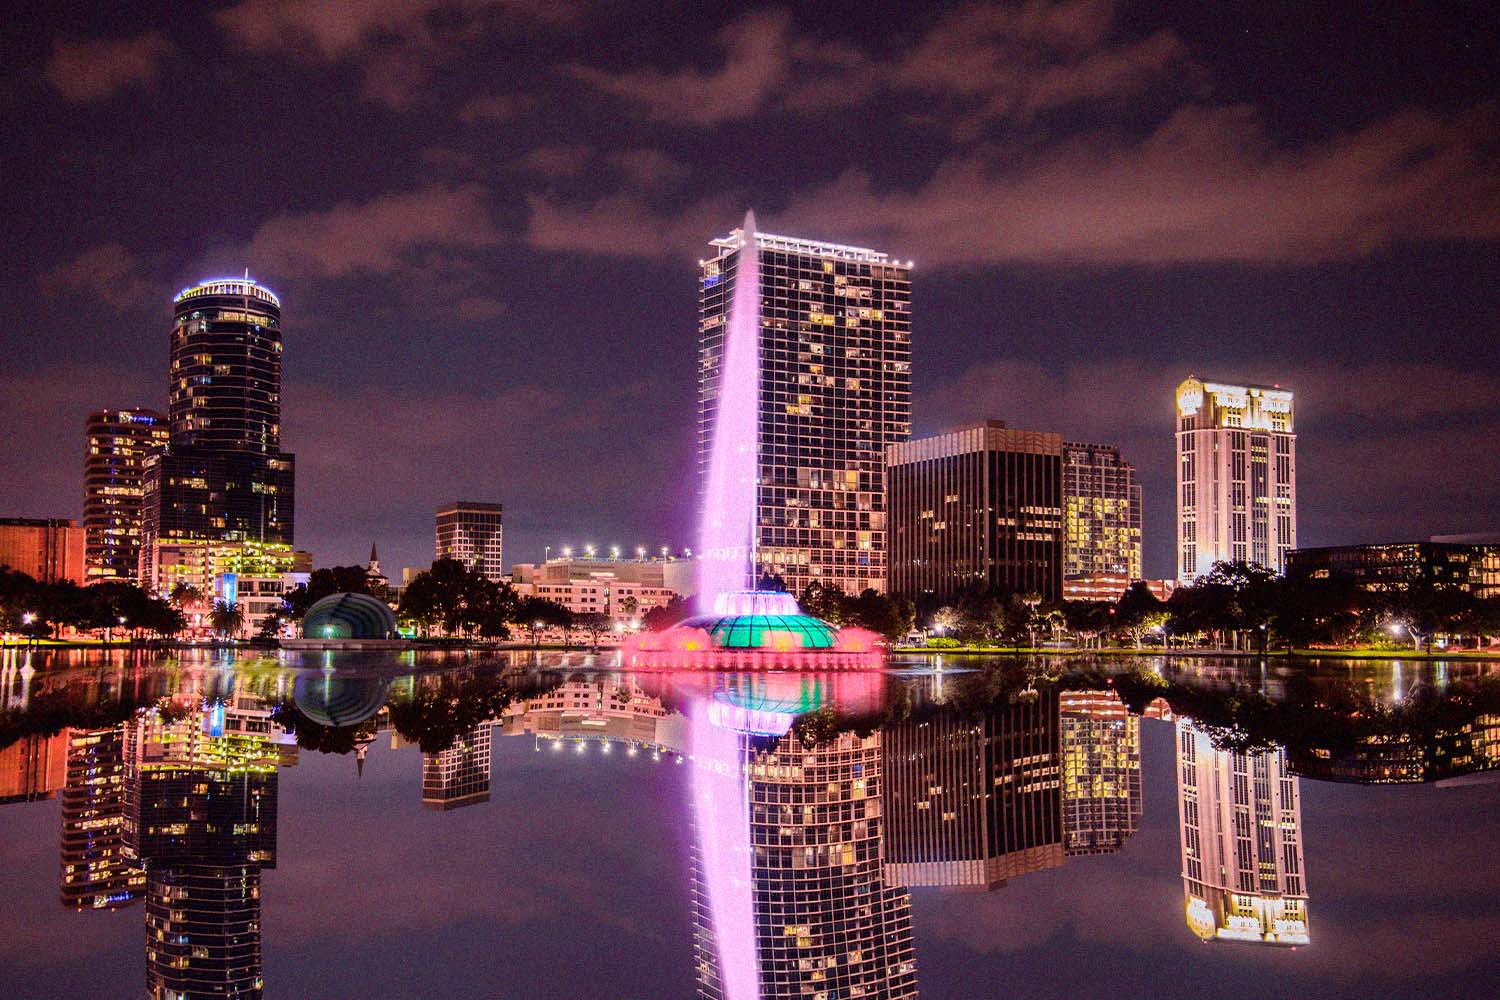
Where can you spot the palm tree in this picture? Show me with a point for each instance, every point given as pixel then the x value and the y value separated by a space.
pixel 227 619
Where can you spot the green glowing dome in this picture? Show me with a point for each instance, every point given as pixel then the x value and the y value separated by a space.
pixel 349 616
pixel 787 632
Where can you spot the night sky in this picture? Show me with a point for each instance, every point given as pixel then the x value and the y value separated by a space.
pixel 483 220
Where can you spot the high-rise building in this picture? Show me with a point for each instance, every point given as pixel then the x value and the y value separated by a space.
pixel 1101 772
pixel 95 873
pixel 114 482
pixel 825 921
pixel 978 508
pixel 200 816
pixel 1236 476
pixel 834 391
pixel 1241 822
pixel 460 775
pixel 226 367
pixel 472 533
pixel 1101 513
pixel 222 477
pixel 48 549
pixel 203 935
pixel 973 802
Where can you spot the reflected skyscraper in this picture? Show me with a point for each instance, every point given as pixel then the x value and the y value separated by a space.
pixel 972 801
pixel 95 872
pixel 460 775
pixel 1101 772
pixel 817 909
pixel 201 817
pixel 1241 821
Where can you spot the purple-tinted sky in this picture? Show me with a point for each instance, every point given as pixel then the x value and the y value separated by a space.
pixel 483 218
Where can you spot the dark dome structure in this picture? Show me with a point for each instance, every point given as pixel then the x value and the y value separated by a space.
pixel 337 701
pixel 349 616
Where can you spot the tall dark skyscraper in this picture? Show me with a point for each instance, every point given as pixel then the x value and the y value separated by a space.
pixel 226 367
pixel 222 477
pixel 974 801
pixel 114 482
pixel 95 873
pixel 200 816
pixel 977 508
pixel 835 390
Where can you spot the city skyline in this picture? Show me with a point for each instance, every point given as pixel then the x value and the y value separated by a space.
pixel 1141 201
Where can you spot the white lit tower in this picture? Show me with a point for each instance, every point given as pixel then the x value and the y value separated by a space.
pixel 1236 476
pixel 834 390
pixel 1241 821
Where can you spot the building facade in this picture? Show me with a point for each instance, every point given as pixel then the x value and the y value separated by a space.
pixel 1101 512
pixel 1241 822
pixel 1101 772
pixel 460 775
pixel 622 589
pixel 1236 476
pixel 222 476
pixel 114 483
pixel 48 549
pixel 974 802
pixel 825 921
pixel 1472 566
pixel 472 533
pixel 834 392
pixel 95 873
pixel 978 508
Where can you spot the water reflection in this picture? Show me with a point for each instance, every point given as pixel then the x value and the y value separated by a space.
pixel 815 808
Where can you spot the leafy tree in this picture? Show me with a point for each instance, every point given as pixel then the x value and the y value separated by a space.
pixel 664 616
pixel 1139 611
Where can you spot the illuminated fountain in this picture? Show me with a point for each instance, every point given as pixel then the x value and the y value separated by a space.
pixel 737 628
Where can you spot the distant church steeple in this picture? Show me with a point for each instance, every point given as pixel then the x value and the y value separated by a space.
pixel 375 579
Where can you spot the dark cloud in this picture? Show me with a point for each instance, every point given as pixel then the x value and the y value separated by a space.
pixel 756 62
pixel 108 272
pixel 373 236
pixel 86 70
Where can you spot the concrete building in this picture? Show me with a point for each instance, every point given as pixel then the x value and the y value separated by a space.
pixel 1471 565
pixel 1101 513
pixel 1236 476
pixel 472 533
pixel 608 708
pixel 460 775
pixel 1109 587
pixel 33 768
pixel 46 549
pixel 834 392
pixel 114 482
pixel 978 508
pixel 622 589
pixel 1101 772
pixel 1241 821
pixel 973 803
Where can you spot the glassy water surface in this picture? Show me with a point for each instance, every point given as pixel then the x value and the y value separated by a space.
pixel 418 825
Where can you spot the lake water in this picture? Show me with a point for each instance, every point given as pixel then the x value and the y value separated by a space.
pixel 514 825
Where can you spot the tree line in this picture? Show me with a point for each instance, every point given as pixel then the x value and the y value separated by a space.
pixel 1237 604
pixel 39 609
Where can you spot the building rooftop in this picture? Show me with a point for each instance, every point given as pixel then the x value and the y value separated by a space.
pixel 244 286
pixel 792 244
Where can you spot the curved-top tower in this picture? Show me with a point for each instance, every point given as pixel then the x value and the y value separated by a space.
pixel 226 366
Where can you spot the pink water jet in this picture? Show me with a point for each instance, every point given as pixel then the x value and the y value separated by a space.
pixel 727 526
